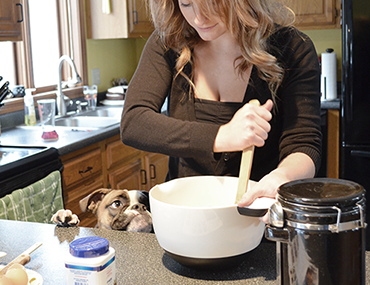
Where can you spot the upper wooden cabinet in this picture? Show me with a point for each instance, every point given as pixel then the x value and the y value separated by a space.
pixel 316 14
pixel 11 18
pixel 128 19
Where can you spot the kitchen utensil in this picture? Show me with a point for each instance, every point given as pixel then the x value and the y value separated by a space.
pixel 4 93
pixel 245 166
pixel 197 222
pixel 22 259
pixel 319 226
pixel 2 254
pixel 3 86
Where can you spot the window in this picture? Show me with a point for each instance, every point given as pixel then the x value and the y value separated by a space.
pixel 49 31
pixel 7 66
pixel 44 40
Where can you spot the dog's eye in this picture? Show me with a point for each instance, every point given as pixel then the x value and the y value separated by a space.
pixel 116 204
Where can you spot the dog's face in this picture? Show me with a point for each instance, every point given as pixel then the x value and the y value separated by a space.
pixel 119 209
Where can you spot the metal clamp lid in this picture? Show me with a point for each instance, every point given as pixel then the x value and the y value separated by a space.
pixel 334 228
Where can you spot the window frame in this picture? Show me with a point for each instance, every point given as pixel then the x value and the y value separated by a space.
pixel 22 51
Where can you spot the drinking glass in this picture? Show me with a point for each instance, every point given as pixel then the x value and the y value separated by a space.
pixel 91 96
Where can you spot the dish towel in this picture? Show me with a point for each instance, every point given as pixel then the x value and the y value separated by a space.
pixel 34 203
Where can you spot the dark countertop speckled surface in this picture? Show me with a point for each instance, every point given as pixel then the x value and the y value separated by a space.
pixel 139 258
pixel 330 104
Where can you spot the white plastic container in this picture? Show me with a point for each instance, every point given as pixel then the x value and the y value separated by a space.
pixel 29 109
pixel 91 261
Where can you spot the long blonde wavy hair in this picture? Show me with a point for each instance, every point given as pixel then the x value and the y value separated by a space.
pixel 251 22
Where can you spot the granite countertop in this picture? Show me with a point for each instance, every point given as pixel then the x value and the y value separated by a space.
pixel 139 257
pixel 330 104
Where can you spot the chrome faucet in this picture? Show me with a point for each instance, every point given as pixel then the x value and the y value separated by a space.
pixel 61 98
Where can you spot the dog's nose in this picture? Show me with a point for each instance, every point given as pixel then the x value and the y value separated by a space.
pixel 139 207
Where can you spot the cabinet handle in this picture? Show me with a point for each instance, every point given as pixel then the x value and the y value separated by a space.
pixel 136 17
pixel 143 177
pixel 87 170
pixel 19 4
pixel 152 171
pixel 360 153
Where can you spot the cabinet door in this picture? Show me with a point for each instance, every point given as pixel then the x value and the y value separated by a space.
pixel 128 19
pixel 118 153
pixel 138 19
pixel 11 18
pixel 316 14
pixel 156 166
pixel 82 168
pixel 130 177
pixel 72 197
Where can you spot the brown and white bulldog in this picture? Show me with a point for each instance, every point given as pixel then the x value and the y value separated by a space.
pixel 114 209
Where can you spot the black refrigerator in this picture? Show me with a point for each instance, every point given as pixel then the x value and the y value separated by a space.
pixel 355 97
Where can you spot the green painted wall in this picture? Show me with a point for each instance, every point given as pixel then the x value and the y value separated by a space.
pixel 119 57
pixel 324 39
pixel 115 58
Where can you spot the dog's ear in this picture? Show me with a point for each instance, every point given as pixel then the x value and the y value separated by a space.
pixel 143 198
pixel 92 201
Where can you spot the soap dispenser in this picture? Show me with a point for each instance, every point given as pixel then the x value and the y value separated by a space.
pixel 29 108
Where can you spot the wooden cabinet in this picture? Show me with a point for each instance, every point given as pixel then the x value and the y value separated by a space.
pixel 82 174
pixel 82 167
pixel 133 169
pixel 108 164
pixel 11 18
pixel 128 19
pixel 316 14
pixel 156 168
pixel 127 177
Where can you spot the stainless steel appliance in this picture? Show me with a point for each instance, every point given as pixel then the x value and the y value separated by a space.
pixel 355 98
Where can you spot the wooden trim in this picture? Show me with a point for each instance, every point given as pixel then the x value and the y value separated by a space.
pixel 64 36
pixel 17 104
pixel 333 144
pixel 79 39
pixel 23 52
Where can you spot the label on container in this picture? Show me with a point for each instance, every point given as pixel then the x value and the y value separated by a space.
pixel 92 275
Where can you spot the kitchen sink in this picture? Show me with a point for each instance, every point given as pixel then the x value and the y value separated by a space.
pixel 106 112
pixel 102 117
pixel 92 122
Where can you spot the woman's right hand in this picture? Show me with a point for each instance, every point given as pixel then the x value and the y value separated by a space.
pixel 249 126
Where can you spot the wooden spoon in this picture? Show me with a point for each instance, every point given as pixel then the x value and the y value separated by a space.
pixel 22 259
pixel 245 166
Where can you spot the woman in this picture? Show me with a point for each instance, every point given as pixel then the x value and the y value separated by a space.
pixel 210 58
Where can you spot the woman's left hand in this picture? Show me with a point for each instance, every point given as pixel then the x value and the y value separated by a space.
pixel 294 166
pixel 266 187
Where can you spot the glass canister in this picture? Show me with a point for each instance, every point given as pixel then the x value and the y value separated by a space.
pixel 319 226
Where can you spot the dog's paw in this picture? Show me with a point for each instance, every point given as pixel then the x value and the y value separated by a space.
pixel 65 218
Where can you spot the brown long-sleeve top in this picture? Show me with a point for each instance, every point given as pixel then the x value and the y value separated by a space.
pixel 186 134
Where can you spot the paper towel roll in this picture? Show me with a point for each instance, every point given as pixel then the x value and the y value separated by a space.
pixel 328 76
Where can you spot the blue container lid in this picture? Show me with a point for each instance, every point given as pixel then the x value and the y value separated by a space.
pixel 89 247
